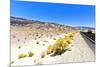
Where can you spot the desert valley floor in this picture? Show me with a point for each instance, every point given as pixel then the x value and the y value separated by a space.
pixel 32 47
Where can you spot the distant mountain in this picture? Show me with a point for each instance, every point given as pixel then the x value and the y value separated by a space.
pixel 41 25
pixel 16 20
pixel 85 28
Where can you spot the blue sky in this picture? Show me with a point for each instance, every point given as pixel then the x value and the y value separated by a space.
pixel 67 14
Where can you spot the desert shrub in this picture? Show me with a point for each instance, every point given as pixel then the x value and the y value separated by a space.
pixel 60 45
pixel 69 40
pixel 54 38
pixel 21 55
pixel 30 54
pixel 35 38
pixel 37 34
pixel 50 49
pixel 43 44
pixel 19 47
pixel 43 55
pixel 65 44
pixel 14 36
pixel 12 62
pixel 68 49
pixel 37 42
pixel 18 40
pixel 71 36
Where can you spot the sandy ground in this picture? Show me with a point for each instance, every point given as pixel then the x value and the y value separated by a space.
pixel 25 41
pixel 80 52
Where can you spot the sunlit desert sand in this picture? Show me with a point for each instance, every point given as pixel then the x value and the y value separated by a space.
pixel 29 46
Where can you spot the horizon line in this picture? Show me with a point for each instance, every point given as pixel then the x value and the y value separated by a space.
pixel 51 22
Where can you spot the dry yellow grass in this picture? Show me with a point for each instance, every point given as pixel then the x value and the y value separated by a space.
pixel 61 44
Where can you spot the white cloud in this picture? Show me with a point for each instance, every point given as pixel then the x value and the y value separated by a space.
pixel 85 2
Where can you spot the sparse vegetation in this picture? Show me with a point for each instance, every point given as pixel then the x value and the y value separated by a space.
pixel 45 41
pixel 21 56
pixel 60 45
pixel 37 34
pixel 37 42
pixel 14 36
pixel 68 49
pixel 50 49
pixel 54 38
pixel 43 44
pixel 19 47
pixel 30 54
pixel 12 62
pixel 43 55
pixel 18 40
pixel 35 38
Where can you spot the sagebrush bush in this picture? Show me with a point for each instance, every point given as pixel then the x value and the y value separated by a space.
pixel 30 54
pixel 50 49
pixel 43 55
pixel 21 55
pixel 37 42
pixel 60 44
pixel 12 62
pixel 19 47
pixel 54 38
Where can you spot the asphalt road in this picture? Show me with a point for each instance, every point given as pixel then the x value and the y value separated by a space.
pixel 90 41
